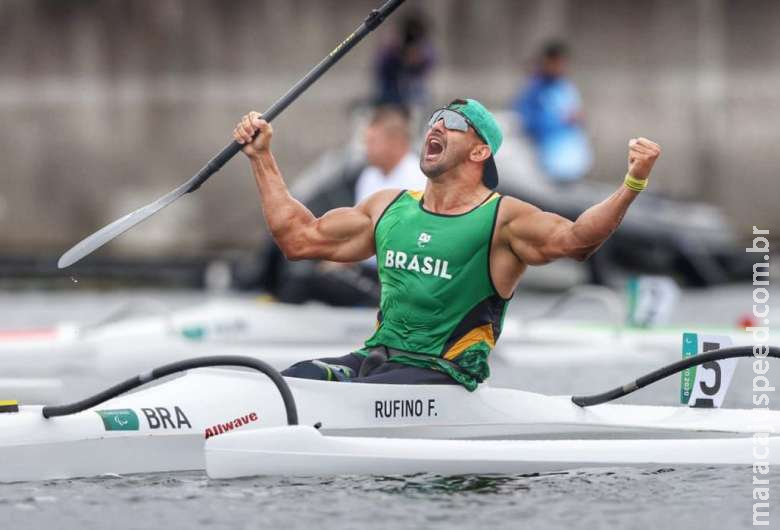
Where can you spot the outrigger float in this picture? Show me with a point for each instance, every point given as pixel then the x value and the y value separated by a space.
pixel 232 424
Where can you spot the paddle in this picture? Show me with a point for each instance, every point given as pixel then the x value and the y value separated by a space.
pixel 91 243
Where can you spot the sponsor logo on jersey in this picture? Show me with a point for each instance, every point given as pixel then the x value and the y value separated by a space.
pixel 222 428
pixel 412 262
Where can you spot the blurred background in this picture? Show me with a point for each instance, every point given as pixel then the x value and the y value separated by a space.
pixel 106 105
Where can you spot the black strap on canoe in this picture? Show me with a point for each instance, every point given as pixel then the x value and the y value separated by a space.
pixel 679 366
pixel 174 368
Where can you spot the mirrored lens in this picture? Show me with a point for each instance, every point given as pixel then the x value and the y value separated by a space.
pixel 436 116
pixel 452 120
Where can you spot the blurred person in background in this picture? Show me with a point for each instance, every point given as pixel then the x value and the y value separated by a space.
pixel 403 64
pixel 550 108
pixel 391 162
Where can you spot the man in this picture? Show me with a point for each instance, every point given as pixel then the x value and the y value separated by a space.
pixel 449 257
pixel 551 111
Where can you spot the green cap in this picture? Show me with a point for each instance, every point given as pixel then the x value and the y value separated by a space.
pixel 487 128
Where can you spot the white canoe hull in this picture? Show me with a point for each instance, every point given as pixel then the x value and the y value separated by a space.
pixel 304 451
pixel 97 456
pixel 164 428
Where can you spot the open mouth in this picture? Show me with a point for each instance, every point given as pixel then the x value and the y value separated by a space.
pixel 433 149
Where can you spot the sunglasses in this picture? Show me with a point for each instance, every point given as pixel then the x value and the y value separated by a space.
pixel 452 121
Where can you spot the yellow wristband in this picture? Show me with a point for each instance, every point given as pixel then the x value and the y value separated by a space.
pixel 635 184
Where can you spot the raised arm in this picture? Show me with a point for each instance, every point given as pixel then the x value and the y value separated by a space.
pixel 342 234
pixel 538 237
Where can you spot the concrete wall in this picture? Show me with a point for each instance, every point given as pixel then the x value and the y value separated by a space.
pixel 107 104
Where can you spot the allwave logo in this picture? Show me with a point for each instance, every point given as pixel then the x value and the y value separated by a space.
pixel 414 263
pixel 222 428
pixel 423 240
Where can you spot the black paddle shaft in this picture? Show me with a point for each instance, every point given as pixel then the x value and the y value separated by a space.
pixel 374 19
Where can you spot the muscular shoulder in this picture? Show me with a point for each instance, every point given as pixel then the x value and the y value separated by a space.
pixel 377 202
pixel 513 209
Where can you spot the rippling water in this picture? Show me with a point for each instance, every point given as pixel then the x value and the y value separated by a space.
pixel 588 499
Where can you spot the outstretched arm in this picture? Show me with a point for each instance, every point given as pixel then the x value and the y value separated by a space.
pixel 342 234
pixel 538 237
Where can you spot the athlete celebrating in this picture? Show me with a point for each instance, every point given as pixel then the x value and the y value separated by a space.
pixel 449 257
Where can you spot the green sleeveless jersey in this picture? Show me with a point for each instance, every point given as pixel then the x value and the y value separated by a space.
pixel 438 304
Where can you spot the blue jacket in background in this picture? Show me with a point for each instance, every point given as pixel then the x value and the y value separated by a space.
pixel 546 106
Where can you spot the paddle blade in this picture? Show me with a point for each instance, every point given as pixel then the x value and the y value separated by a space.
pixel 93 242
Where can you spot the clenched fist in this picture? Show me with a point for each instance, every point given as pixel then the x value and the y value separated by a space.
pixel 642 154
pixel 247 128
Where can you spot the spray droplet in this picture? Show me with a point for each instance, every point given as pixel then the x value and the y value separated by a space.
pixel 74 279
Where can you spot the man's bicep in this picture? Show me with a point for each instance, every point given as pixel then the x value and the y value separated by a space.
pixel 341 234
pixel 347 234
pixel 537 237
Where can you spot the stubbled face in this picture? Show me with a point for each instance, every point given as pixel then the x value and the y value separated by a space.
pixel 445 149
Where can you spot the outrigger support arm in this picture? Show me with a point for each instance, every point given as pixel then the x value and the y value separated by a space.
pixel 666 371
pixel 174 368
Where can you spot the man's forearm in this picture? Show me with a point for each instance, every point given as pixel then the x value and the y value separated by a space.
pixel 283 213
pixel 597 223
